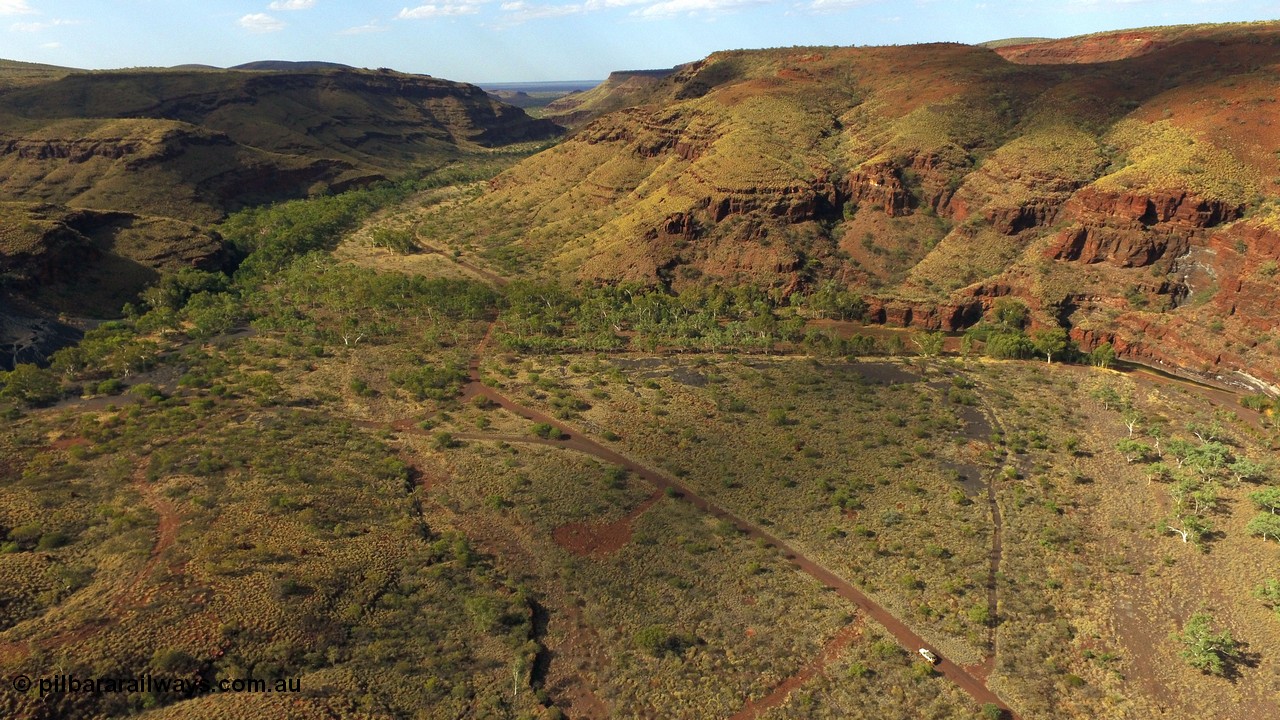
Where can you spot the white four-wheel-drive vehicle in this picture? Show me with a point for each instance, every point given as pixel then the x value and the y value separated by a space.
pixel 927 654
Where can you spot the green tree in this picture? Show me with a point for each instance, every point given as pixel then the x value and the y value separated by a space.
pixel 1246 470
pixel 1269 593
pixel 1108 396
pixel 1133 450
pixel 929 343
pixel 1103 355
pixel 1208 651
pixel 832 300
pixel 1191 528
pixel 1050 342
pixel 30 385
pixel 1268 499
pixel 1209 458
pixel 1011 313
pixel 1266 526
pixel 1009 345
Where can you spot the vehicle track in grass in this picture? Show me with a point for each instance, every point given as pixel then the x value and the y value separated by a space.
pixel 574 439
pixel 134 594
pixel 830 652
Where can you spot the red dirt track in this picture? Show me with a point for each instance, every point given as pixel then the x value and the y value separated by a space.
pixel 843 639
pixel 601 538
pixel 574 440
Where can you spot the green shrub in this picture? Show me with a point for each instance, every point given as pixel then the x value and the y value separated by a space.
pixel 657 641
pixel 110 386
pixel 546 431
pixel 401 241
pixel 1009 346
pixel 146 391
pixel 436 383
pixel 52 541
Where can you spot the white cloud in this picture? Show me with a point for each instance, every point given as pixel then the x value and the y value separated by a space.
pixel 830 6
pixel 443 9
pixel 260 23
pixel 518 11
pixel 34 27
pixel 51 45
pixel 292 4
pixel 605 4
pixel 367 28
pixel 15 7
pixel 692 7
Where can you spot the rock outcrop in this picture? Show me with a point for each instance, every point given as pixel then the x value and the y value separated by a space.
pixel 1131 229
pixel 879 186
pixel 196 144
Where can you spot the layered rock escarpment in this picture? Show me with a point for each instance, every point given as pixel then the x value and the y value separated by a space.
pixel 622 89
pixel 1110 197
pixel 45 245
pixel 1134 229
pixel 195 144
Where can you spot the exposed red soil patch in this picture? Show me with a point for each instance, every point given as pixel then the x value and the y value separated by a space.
pixel 131 596
pixel 601 538
pixel 568 685
pixel 16 652
pixel 904 635
pixel 832 650
pixel 1088 49
pixel 167 527
pixel 13 652
pixel 67 443
pixel 430 480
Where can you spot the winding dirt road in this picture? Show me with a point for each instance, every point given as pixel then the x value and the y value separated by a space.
pixel 133 595
pixel 575 440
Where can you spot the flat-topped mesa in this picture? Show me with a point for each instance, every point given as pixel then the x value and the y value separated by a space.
pixel 622 89
pixel 196 144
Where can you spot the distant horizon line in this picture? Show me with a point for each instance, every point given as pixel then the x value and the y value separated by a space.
pixel 499 84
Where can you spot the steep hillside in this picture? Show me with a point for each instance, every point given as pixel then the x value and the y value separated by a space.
pixel 14 73
pixel 110 179
pixel 57 262
pixel 621 89
pixel 195 144
pixel 1105 46
pixel 1124 199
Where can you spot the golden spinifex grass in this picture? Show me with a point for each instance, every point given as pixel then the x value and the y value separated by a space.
pixel 890 484
pixel 727 619
pixel 209 531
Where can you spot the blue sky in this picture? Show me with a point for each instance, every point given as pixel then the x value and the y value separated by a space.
pixel 528 40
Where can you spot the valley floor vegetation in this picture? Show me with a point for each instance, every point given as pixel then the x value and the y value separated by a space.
pixel 289 472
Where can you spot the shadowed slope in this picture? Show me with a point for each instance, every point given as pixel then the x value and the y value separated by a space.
pixel 1114 197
